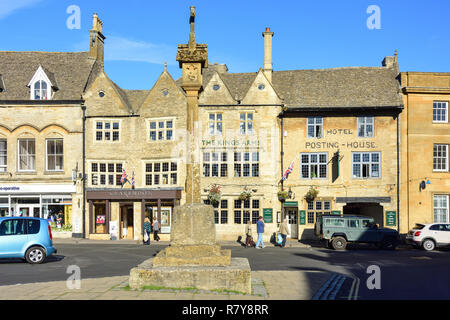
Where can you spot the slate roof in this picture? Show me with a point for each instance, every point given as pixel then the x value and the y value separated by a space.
pixel 337 87
pixel 69 71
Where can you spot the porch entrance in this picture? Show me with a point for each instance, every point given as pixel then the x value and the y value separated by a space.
pixel 292 217
pixel 126 222
pixel 373 210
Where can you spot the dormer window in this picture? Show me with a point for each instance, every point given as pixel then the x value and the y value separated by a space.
pixel 40 90
pixel 41 85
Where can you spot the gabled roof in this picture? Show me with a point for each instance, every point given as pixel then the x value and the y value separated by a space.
pixel 337 87
pixel 69 70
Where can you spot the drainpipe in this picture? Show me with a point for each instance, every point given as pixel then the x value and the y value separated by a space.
pixel 83 107
pixel 398 175
pixel 282 158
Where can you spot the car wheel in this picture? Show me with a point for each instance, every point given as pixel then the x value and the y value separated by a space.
pixel 389 243
pixel 339 243
pixel 35 255
pixel 428 245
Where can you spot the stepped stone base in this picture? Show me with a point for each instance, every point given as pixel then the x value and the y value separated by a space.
pixel 235 277
pixel 207 255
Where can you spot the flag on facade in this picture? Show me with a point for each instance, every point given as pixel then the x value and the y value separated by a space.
pixel 124 177
pixel 288 171
pixel 132 179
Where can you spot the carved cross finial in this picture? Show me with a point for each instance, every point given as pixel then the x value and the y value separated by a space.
pixel 192 33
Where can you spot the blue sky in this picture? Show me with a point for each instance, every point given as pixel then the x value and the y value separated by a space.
pixel 141 35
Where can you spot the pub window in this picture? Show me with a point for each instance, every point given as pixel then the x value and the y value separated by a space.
pixel 314 165
pixel 365 127
pixel 107 131
pixel 106 174
pixel 317 208
pixel 161 129
pixel 315 127
pixel 246 123
pixel 440 111
pixel 246 164
pixel 3 155
pixel 215 164
pixel 161 173
pixel 55 155
pixel 245 210
pixel 27 155
pixel 215 124
pixel 440 157
pixel 366 164
pixel 220 211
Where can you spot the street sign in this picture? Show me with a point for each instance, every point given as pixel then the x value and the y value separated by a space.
pixel 268 215
pixel 391 218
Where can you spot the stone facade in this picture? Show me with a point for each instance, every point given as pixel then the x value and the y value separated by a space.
pixel 421 134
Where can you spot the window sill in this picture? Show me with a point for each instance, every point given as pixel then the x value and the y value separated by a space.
pixel 54 172
pixel 25 173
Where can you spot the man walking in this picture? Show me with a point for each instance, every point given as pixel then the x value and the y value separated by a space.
pixel 156 227
pixel 284 231
pixel 260 231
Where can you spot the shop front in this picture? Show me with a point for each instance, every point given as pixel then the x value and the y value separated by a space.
pixel 119 214
pixel 47 201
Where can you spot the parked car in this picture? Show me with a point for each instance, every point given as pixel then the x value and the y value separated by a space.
pixel 429 236
pixel 336 231
pixel 27 238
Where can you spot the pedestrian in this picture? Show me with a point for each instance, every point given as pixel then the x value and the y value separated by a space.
pixel 248 235
pixel 284 231
pixel 156 226
pixel 260 231
pixel 147 230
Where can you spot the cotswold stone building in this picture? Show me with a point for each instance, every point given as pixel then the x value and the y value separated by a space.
pixel 338 127
pixel 425 173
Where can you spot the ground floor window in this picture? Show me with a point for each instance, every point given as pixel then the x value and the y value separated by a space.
pixel 244 210
pixel 99 212
pixel 220 211
pixel 441 208
pixel 316 208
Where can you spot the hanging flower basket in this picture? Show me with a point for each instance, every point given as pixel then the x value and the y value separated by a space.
pixel 311 194
pixel 283 195
pixel 214 194
pixel 245 195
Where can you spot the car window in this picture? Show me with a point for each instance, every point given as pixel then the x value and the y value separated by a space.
pixel 335 222
pixel 353 223
pixel 435 227
pixel 33 226
pixel 12 227
pixel 446 227
pixel 366 223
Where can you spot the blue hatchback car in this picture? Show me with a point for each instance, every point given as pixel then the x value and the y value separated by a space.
pixel 27 238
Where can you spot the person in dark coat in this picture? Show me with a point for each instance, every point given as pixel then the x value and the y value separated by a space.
pixel 147 230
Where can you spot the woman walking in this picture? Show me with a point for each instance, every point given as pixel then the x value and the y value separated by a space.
pixel 248 235
pixel 147 230
pixel 156 226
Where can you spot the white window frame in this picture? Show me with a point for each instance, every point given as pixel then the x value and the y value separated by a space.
pixel 438 103
pixel 241 162
pixel 161 172
pixel 446 159
pixel 41 77
pixel 33 156
pixel 369 163
pixel 215 125
pixel 314 122
pixel 246 123
pixel 55 155
pixel 110 130
pixel 309 164
pixel 106 173
pixel 364 122
pixel 210 161
pixel 162 130
pixel 445 208
pixel 4 154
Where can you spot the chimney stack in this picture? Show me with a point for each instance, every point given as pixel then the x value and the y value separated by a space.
pixel 96 49
pixel 268 53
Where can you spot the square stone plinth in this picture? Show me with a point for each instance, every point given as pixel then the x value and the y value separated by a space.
pixel 192 255
pixel 235 277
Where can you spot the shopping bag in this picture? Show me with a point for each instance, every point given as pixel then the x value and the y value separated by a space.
pixel 145 236
pixel 279 239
